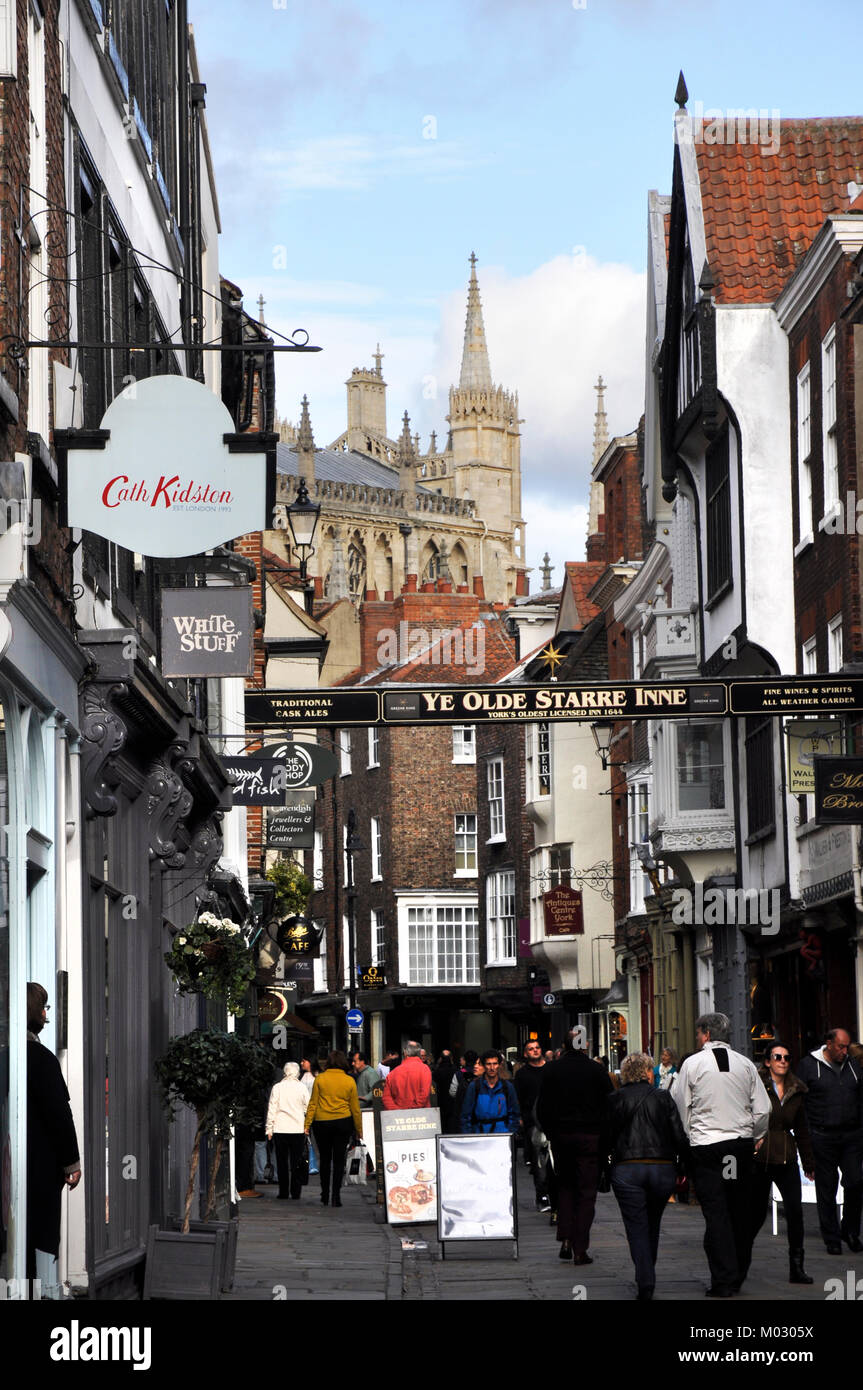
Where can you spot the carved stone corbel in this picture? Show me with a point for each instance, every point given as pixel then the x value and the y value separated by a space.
pixel 206 846
pixel 103 734
pixel 168 805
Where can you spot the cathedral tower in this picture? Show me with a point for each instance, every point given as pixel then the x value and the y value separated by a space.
pixel 367 407
pixel 486 445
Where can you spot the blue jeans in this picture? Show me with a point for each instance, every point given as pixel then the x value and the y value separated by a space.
pixel 642 1190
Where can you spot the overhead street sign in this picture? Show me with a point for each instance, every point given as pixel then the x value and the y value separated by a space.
pixel 450 704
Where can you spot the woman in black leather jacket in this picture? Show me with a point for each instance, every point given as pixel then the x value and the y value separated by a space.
pixel 646 1142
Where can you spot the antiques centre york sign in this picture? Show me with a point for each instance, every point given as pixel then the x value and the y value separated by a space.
pixel 562 909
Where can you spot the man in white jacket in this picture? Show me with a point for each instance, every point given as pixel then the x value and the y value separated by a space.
pixel 286 1121
pixel 725 1111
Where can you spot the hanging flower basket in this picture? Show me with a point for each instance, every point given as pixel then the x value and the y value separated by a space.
pixel 211 957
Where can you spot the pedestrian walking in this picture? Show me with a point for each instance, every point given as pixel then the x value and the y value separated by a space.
pixel 834 1110
pixel 53 1160
pixel 665 1071
pixel 725 1111
pixel 334 1111
pixel 776 1160
pixel 646 1145
pixel 528 1080
pixel 490 1105
pixel 408 1085
pixel 367 1078
pixel 285 1125
pixel 450 1092
pixel 572 1111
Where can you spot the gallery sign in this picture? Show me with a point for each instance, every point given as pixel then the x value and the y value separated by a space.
pixel 839 791
pixel 562 909
pixel 207 632
pixel 161 475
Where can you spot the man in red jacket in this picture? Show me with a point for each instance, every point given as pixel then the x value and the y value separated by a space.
pixel 408 1085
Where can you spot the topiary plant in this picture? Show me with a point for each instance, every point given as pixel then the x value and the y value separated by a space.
pixel 220 1076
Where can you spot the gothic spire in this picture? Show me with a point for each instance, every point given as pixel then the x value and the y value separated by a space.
pixel 545 571
pixel 600 424
pixel 475 369
pixel 305 438
pixel 406 454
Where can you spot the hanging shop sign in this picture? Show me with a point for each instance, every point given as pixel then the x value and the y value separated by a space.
pixel 562 909
pixel 293 828
pixel 839 791
pixel 299 968
pixel 272 1005
pixel 806 739
pixel 207 632
pixel 372 977
pixel 775 695
pixel 298 936
pixel 409 1159
pixel 256 781
pixel 306 764
pixel 166 474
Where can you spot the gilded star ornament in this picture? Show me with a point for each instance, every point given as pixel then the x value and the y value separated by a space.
pixel 552 657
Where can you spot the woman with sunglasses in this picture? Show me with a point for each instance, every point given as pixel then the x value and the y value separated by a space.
pixel 776 1159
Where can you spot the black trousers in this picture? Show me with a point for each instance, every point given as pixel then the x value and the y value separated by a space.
pixel 723 1175
pixel 787 1179
pixel 289 1153
pixel 576 1170
pixel 332 1138
pixel 835 1150
pixel 538 1167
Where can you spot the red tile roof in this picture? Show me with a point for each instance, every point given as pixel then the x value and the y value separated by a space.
pixel 762 210
pixel 581 575
pixel 463 654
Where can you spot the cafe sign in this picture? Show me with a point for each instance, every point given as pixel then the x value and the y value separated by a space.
pixel 562 909
pixel 166 474
pixel 839 791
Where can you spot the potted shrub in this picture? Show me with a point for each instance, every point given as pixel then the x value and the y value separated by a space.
pixel 221 1077
pixel 212 957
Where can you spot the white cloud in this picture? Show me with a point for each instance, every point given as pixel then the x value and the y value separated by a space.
pixel 358 162
pixel 558 528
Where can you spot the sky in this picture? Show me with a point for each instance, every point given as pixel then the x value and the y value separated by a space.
pixel 363 151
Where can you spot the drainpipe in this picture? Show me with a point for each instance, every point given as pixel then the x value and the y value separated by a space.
pixel 857 872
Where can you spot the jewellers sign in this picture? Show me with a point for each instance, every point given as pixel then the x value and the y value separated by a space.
pixel 207 632
pixel 293 828
pixel 161 475
pixel 839 791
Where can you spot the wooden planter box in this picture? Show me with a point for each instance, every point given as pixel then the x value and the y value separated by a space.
pixel 231 1230
pixel 185 1266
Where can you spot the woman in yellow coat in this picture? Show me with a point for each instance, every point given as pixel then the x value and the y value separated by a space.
pixel 334 1110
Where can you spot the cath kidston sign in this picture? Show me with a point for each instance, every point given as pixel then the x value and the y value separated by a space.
pixel 166 475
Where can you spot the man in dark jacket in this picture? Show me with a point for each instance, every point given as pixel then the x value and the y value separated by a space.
pixel 834 1109
pixel 527 1082
pixel 53 1161
pixel 571 1110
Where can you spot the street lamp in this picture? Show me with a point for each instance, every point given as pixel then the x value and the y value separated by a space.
pixel 303 516
pixel 603 731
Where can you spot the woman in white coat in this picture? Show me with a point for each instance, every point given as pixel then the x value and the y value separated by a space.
pixel 286 1117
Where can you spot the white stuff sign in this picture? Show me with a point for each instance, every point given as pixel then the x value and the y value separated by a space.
pixel 207 632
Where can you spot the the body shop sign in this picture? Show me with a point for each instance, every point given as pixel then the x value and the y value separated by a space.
pixel 207 632
pixel 165 475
